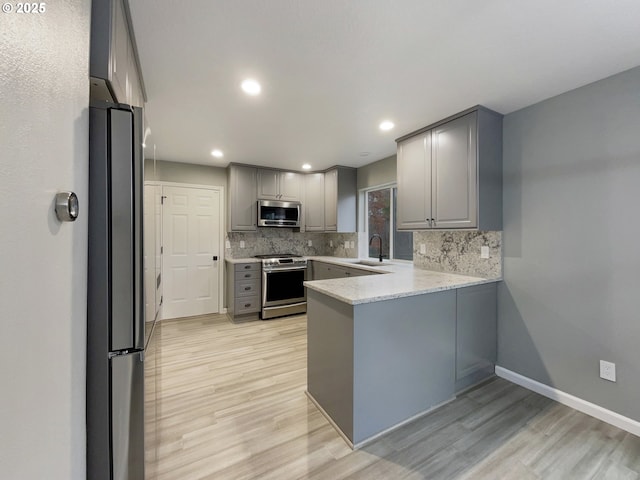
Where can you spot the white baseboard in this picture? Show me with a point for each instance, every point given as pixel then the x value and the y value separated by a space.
pixel 613 418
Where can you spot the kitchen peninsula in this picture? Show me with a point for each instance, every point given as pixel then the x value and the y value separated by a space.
pixel 385 349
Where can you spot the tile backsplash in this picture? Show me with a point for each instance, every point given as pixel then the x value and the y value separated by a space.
pixel 459 252
pixel 445 251
pixel 284 240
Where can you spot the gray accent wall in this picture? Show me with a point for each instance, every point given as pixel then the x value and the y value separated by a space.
pixel 165 171
pixel 377 173
pixel 571 291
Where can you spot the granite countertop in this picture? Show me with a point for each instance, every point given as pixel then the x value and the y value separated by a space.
pixel 400 280
pixel 242 260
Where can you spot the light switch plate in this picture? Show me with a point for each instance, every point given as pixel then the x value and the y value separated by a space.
pixel 331 243
pixel 346 244
pixel 227 244
pixel 241 243
pixel 353 244
pixel 310 243
pixel 484 251
pixel 423 249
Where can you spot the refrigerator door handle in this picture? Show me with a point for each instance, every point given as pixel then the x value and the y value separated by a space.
pixel 122 253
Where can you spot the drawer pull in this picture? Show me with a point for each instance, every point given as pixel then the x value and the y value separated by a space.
pixel 247 305
pixel 246 289
pixel 247 275
pixel 247 267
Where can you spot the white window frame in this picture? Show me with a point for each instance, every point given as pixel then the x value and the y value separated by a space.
pixel 363 224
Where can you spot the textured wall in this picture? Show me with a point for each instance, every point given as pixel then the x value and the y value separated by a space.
pixel 459 252
pixel 44 98
pixel 571 258
pixel 283 240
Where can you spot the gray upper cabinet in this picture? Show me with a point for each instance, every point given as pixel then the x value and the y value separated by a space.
pixel 314 202
pixel 414 182
pixel 450 174
pixel 340 191
pixel 279 185
pixel 331 200
pixel 454 174
pixel 242 211
pixel 114 68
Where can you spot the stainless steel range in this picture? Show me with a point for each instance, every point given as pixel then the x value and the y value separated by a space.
pixel 283 292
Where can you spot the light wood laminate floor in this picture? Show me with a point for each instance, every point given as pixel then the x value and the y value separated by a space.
pixel 231 405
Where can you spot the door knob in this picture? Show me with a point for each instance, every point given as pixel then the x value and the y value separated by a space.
pixel 215 258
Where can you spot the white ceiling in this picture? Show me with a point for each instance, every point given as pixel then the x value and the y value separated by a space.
pixel 332 70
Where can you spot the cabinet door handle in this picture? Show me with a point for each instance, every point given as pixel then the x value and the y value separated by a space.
pixel 433 222
pixel 247 275
pixel 247 305
pixel 247 267
pixel 246 289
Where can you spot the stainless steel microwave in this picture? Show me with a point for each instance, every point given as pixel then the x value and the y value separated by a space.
pixel 275 213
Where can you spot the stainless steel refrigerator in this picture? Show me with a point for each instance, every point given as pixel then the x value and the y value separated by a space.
pixel 116 337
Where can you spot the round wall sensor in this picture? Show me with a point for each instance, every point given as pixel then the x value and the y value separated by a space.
pixel 67 206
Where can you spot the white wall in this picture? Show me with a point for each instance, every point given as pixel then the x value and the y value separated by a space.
pixel 44 95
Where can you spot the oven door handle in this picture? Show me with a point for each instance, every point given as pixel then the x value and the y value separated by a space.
pixel 288 269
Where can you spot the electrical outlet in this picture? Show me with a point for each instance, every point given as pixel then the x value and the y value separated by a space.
pixel 353 244
pixel 227 244
pixel 346 244
pixel 241 243
pixel 309 243
pixel 331 243
pixel 423 249
pixel 484 251
pixel 608 371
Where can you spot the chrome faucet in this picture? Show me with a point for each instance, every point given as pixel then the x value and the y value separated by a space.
pixel 371 241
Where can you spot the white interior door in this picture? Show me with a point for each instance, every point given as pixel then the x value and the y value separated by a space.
pixel 191 239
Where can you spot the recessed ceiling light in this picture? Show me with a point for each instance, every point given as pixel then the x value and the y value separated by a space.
pixel 217 153
pixel 306 166
pixel 251 87
pixel 386 125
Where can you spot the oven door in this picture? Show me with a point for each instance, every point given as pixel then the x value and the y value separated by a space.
pixel 283 286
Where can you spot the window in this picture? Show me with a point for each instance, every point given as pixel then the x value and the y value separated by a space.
pixel 380 209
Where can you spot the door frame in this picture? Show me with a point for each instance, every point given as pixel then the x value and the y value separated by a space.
pixel 220 189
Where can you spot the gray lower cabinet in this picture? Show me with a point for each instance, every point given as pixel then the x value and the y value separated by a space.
pixel 340 192
pixel 476 333
pixel 373 366
pixel 243 196
pixel 370 368
pixel 314 202
pixel 326 271
pixel 244 290
pixel 450 173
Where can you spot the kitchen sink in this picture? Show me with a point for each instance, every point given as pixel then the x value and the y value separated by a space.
pixel 371 263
